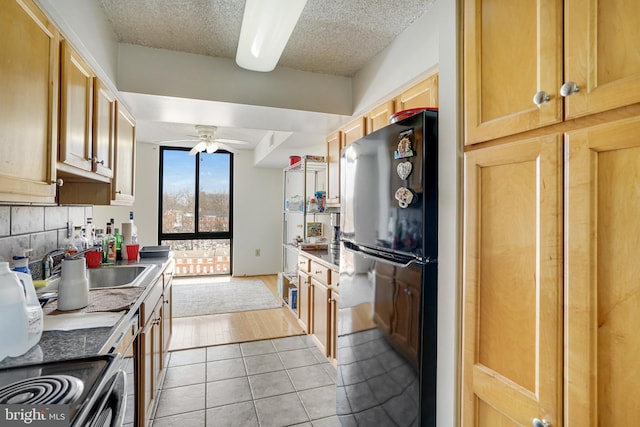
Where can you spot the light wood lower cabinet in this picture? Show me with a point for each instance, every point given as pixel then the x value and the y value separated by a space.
pixel 321 315
pixel 304 283
pixel 512 330
pixel 602 290
pixel 151 349
pixel 550 283
pixel 318 304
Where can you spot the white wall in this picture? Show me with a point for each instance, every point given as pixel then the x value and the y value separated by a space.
pixel 145 207
pixel 257 218
pixel 413 55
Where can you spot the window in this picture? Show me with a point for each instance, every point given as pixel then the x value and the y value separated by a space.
pixel 196 199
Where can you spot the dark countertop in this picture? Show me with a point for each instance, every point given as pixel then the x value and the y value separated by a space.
pixel 62 345
pixel 329 258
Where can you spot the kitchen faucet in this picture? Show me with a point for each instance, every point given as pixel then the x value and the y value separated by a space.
pixel 56 270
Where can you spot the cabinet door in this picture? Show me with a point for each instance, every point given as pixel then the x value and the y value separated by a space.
pixel 29 94
pixel 123 181
pixel 304 300
pixel 321 315
pixel 104 117
pixel 334 144
pixel 354 131
pixel 146 383
pixel 601 55
pixel 512 298
pixel 379 116
pixel 76 112
pixel 512 50
pixel 602 287
pixel 333 339
pixel 166 323
pixel 424 94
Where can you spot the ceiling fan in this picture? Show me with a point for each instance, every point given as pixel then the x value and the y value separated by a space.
pixel 207 141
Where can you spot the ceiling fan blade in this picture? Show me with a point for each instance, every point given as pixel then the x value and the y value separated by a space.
pixel 226 147
pixel 170 141
pixel 231 141
pixel 197 148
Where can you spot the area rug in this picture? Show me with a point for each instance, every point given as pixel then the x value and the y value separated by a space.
pixel 221 297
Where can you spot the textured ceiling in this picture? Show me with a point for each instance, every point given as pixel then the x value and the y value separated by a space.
pixel 332 36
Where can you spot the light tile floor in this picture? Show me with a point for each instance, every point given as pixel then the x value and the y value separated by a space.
pixel 270 383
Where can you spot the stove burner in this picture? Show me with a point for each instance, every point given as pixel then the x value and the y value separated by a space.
pixel 51 389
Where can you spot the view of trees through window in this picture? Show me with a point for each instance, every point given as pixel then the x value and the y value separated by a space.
pixel 196 209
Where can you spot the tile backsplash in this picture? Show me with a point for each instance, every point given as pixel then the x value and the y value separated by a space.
pixel 41 228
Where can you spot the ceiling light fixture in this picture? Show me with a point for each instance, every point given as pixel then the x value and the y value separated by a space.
pixel 266 28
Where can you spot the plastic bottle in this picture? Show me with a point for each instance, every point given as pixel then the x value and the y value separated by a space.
pixel 35 315
pixel 134 229
pixel 90 232
pixel 109 246
pixel 21 262
pixel 14 323
pixel 98 242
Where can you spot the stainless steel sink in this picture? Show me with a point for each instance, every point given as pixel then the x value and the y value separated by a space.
pixel 117 275
pixel 112 276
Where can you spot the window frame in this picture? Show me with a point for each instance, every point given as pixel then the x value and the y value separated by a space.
pixel 197 234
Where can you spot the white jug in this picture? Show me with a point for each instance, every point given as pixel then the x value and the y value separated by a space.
pixel 13 314
pixel 73 289
pixel 34 311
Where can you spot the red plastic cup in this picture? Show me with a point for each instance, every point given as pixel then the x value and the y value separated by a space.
pixel 132 252
pixel 93 259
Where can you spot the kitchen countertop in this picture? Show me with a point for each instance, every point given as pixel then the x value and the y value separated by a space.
pixel 58 345
pixel 329 258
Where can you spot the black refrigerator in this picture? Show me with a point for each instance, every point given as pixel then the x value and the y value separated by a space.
pixel 387 307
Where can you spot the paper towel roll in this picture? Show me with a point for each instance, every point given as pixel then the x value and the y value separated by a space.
pixel 126 237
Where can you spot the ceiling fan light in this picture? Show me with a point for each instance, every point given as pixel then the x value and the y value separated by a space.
pixel 197 148
pixel 266 28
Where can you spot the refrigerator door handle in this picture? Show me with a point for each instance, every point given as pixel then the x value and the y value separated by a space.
pixel 391 258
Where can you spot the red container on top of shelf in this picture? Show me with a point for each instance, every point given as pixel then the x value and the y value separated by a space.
pixel 401 115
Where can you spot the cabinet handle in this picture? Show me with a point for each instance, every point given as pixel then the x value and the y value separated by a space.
pixel 95 160
pixel 569 88
pixel 541 423
pixel 118 191
pixel 541 97
pixel 58 182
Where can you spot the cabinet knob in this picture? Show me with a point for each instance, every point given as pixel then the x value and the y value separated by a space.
pixel 569 88
pixel 95 160
pixel 541 97
pixel 58 182
pixel 541 423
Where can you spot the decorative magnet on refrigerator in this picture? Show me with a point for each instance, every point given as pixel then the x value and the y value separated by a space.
pixel 405 145
pixel 404 170
pixel 404 196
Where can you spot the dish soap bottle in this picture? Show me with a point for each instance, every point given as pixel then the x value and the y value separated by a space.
pixel 14 324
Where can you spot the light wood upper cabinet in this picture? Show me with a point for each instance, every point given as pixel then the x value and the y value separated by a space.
pixel 334 145
pixel 104 117
pixel 601 55
pixel 124 179
pixel 512 50
pixel 76 114
pixel 379 116
pixel 512 294
pixel 29 87
pixel 354 131
pixel 505 75
pixel 601 271
pixel 423 94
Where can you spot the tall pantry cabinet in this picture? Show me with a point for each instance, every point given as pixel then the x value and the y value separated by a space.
pixel 551 193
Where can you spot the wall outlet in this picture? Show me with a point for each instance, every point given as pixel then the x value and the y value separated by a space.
pixel 257 252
